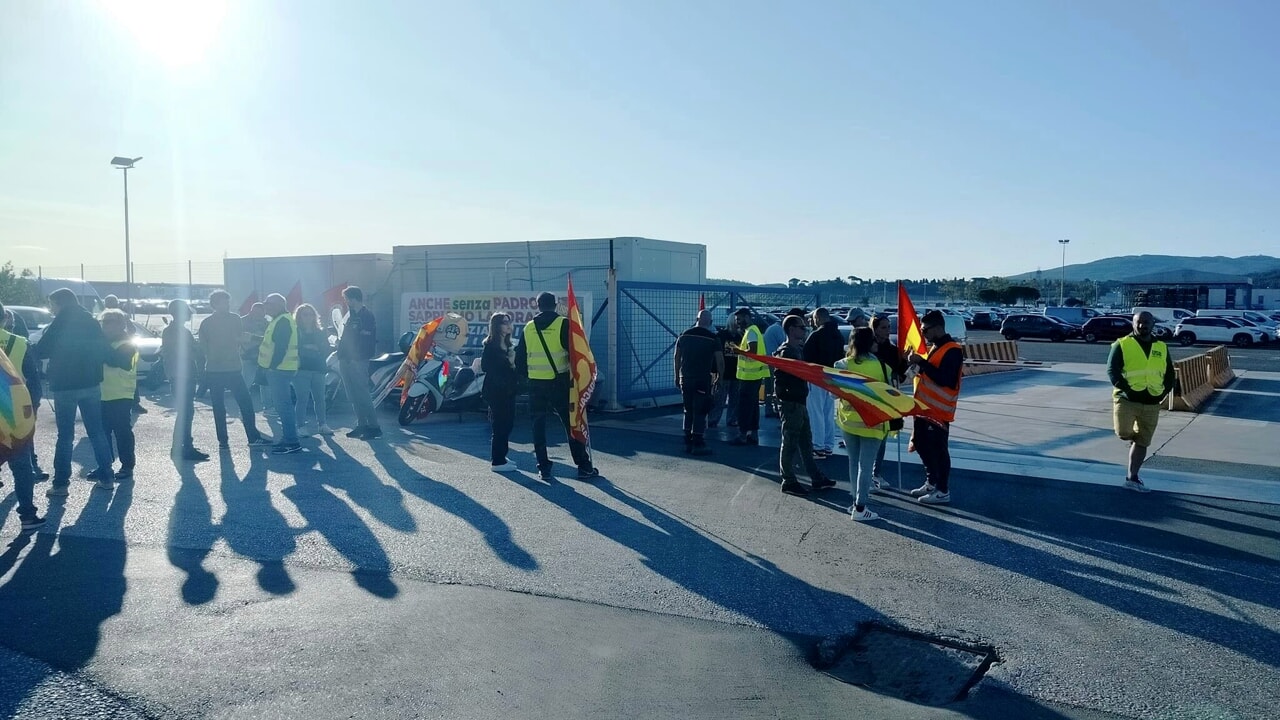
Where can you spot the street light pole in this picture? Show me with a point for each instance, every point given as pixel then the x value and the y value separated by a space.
pixel 1062 283
pixel 126 164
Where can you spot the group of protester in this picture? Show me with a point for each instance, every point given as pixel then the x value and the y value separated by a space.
pixel 92 370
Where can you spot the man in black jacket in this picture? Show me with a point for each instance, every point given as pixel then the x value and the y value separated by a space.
pixel 355 347
pixel 699 365
pixel 792 395
pixel 75 348
pixel 824 346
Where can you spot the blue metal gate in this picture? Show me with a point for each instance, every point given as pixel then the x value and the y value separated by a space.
pixel 652 315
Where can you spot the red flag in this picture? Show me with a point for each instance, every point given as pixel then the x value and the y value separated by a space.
pixel 910 336
pixel 875 402
pixel 702 302
pixel 249 302
pixel 294 299
pixel 582 371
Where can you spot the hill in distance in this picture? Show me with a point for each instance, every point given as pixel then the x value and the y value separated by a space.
pixel 1127 266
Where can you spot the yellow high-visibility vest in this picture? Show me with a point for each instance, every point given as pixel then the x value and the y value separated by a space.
pixel 749 369
pixel 539 345
pixel 268 349
pixel 118 383
pixel 1144 372
pixel 15 346
pixel 846 417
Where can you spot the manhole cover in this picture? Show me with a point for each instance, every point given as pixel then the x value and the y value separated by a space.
pixel 908 665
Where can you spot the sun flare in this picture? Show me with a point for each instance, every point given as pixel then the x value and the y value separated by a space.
pixel 178 33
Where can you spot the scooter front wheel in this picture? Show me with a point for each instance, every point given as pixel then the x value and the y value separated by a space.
pixel 409 410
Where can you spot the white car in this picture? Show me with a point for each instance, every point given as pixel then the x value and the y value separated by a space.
pixel 36 319
pixel 1217 330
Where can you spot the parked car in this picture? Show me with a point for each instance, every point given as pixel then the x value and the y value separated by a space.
pixel 150 368
pixel 1077 316
pixel 36 318
pixel 1106 327
pixel 985 320
pixel 1217 330
pixel 1025 325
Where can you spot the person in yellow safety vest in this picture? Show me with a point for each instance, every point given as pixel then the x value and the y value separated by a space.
pixel 18 458
pixel 1141 371
pixel 119 380
pixel 18 348
pixel 937 385
pixel 278 356
pixel 862 441
pixel 543 358
pixel 751 375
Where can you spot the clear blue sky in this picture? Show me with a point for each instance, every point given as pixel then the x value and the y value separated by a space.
pixel 812 139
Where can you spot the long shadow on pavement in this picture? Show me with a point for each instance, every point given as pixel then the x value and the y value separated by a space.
pixel 55 603
pixel 252 526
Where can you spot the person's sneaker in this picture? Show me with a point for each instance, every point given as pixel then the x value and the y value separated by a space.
pixel 545 475
pixel 821 454
pixel 100 474
pixel 260 441
pixel 1135 485
pixel 286 449
pixel 935 498
pixel 40 475
pixel 822 483
pixel 505 467
pixel 923 490
pixel 373 432
pixel 324 430
pixel 193 455
pixel 125 474
pixel 356 433
pixel 793 487
pixel 57 490
pixel 104 484
pixel 863 515
pixel 590 473
pixel 32 522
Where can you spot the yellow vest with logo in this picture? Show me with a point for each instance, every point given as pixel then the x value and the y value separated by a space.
pixel 118 383
pixel 846 417
pixel 15 346
pixel 749 369
pixel 268 349
pixel 539 345
pixel 1142 371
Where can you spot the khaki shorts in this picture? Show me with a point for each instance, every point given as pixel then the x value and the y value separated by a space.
pixel 1135 421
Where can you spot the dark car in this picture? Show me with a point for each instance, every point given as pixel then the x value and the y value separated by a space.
pixel 1106 327
pixel 1016 327
pixel 985 321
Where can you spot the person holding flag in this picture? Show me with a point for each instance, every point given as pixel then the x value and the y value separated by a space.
pixel 543 357
pixel 937 386
pixel 862 439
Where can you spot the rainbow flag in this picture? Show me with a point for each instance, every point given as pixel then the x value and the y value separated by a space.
pixel 582 371
pixel 910 336
pixel 17 416
pixel 875 402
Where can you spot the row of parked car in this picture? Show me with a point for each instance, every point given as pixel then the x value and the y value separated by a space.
pixel 1204 327
pixel 146 340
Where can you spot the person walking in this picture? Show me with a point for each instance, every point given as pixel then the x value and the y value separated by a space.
pixel 793 395
pixel 181 360
pixel 308 382
pixel 897 364
pixel 543 358
pixel 699 365
pixel 75 348
pixel 255 328
pixel 356 345
pixel 824 346
pixel 724 401
pixel 498 363
pixel 937 385
pixel 863 441
pixel 221 335
pixel 278 357
pixel 1141 373
pixel 751 374
pixel 16 346
pixel 119 380
pixel 24 480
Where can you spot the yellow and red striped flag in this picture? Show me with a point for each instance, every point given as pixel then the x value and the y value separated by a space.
pixel 17 415
pixel 582 371
pixel 910 337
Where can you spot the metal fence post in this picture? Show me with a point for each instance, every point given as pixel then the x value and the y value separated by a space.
pixel 612 299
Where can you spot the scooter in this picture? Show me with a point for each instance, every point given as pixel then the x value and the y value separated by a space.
pixel 384 371
pixel 440 383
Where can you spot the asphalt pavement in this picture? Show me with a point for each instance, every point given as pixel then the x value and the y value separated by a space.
pixel 402 578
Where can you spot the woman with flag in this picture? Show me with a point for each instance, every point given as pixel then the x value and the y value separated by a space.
pixel 862 440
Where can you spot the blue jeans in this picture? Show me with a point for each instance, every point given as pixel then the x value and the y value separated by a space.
pixel 280 382
pixel 862 457
pixel 89 402
pixel 24 481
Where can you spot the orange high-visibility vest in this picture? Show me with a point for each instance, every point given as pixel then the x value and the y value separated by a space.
pixel 940 401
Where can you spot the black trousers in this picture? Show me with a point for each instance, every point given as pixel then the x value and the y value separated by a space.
pixel 184 410
pixel 221 382
pixel 749 406
pixel 547 397
pixel 502 416
pixel 117 422
pixel 697 404
pixel 930 439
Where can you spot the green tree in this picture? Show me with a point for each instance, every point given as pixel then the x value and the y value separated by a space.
pixel 18 287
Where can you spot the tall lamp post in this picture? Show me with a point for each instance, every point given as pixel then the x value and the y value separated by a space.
pixel 126 164
pixel 1062 283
